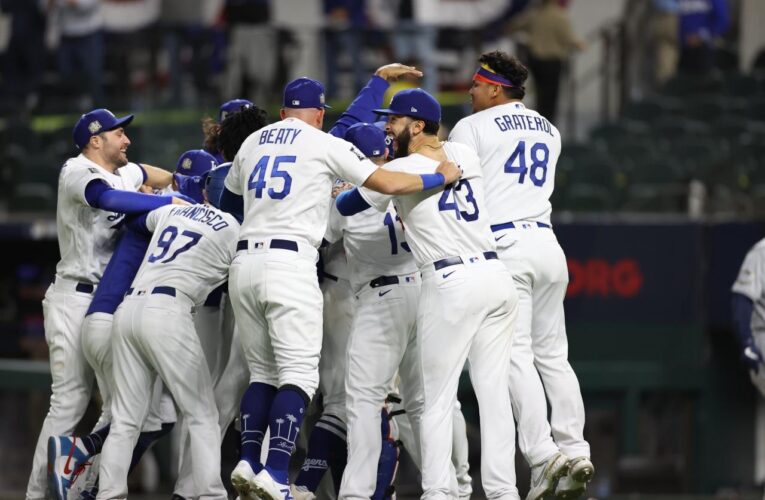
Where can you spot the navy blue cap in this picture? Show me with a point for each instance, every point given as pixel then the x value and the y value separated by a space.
pixel 191 185
pixel 215 183
pixel 304 93
pixel 415 103
pixel 233 106
pixel 368 138
pixel 94 122
pixel 195 162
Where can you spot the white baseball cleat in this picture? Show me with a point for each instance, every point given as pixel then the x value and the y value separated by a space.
pixel 546 474
pixel 241 479
pixel 302 493
pixel 267 488
pixel 575 482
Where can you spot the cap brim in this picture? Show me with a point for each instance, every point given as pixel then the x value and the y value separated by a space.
pixel 327 106
pixel 384 111
pixel 122 122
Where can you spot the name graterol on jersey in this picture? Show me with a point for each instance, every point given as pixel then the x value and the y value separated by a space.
pixel 201 214
pixel 523 122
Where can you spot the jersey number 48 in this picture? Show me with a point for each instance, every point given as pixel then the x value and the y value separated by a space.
pixel 539 155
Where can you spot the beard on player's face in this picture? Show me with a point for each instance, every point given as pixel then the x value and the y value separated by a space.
pixel 402 140
pixel 115 148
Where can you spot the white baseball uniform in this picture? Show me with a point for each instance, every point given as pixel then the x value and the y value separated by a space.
pixel 751 283
pixel 86 237
pixel 466 311
pixel 382 342
pixel 285 173
pixel 188 256
pixel 519 150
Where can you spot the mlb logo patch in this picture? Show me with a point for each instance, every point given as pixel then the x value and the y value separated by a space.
pixel 473 259
pixel 409 279
pixel 258 245
pixel 296 102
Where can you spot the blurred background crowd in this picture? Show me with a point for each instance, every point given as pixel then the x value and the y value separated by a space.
pixel 660 188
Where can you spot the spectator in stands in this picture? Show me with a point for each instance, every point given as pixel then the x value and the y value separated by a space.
pixel 252 52
pixel 346 21
pixel 25 55
pixel 414 40
pixel 551 39
pixel 702 22
pixel 81 49
pixel 665 39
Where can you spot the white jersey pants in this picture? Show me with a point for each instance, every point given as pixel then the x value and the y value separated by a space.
pixel 278 307
pixel 339 307
pixel 467 311
pixel 383 342
pixel 64 309
pixel 540 348
pixel 155 335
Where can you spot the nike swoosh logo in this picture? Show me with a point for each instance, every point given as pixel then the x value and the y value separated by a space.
pixel 67 469
pixel 383 293
pixel 446 275
pixel 497 239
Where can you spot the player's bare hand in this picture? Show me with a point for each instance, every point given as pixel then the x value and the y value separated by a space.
pixel 179 201
pixel 340 187
pixel 450 170
pixel 392 72
pixel 146 189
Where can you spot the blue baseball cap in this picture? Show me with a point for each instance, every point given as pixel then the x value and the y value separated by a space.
pixel 388 139
pixel 415 103
pixel 214 183
pixel 368 138
pixel 191 186
pixel 304 93
pixel 195 162
pixel 233 106
pixel 94 122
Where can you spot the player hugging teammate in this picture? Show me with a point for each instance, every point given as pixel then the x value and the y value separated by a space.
pixel 443 254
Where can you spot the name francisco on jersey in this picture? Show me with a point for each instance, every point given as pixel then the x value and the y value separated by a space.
pixel 523 122
pixel 201 214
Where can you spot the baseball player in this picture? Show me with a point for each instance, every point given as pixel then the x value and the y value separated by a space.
pixel 211 128
pixel 467 300
pixel 519 150
pixel 68 456
pixel 282 178
pixel 95 190
pixel 195 162
pixel 327 445
pixel 154 335
pixel 748 305
pixel 214 321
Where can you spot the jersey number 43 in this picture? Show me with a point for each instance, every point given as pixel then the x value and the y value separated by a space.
pixel 258 181
pixel 451 200
pixel 539 154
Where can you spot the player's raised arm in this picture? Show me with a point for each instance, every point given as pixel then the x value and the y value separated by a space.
pixel 396 183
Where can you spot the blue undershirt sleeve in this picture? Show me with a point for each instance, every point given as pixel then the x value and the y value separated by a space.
pixel 232 203
pixel 351 202
pixel 99 195
pixel 360 110
pixel 742 307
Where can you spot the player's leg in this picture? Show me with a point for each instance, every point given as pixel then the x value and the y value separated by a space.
pixel 460 453
pixel 550 347
pixel 134 383
pixel 375 350
pixel 246 281
pixel 63 313
pixel 294 313
pixel 327 446
pixel 489 362
pixel 178 358
pixel 446 324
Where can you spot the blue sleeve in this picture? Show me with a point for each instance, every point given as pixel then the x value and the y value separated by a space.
pixel 360 110
pixel 138 225
pixel 119 273
pixel 99 195
pixel 350 202
pixel 720 18
pixel 232 203
pixel 742 307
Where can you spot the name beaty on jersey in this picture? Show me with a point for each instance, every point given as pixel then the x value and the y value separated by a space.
pixel 523 122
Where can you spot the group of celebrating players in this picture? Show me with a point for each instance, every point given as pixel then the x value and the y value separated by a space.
pixel 365 265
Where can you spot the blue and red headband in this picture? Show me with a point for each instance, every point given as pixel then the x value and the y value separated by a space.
pixel 487 75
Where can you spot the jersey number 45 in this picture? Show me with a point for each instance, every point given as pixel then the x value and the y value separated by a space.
pixel 258 181
pixel 539 155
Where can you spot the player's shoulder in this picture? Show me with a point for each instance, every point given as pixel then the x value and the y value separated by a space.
pixel 460 151
pixel 758 250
